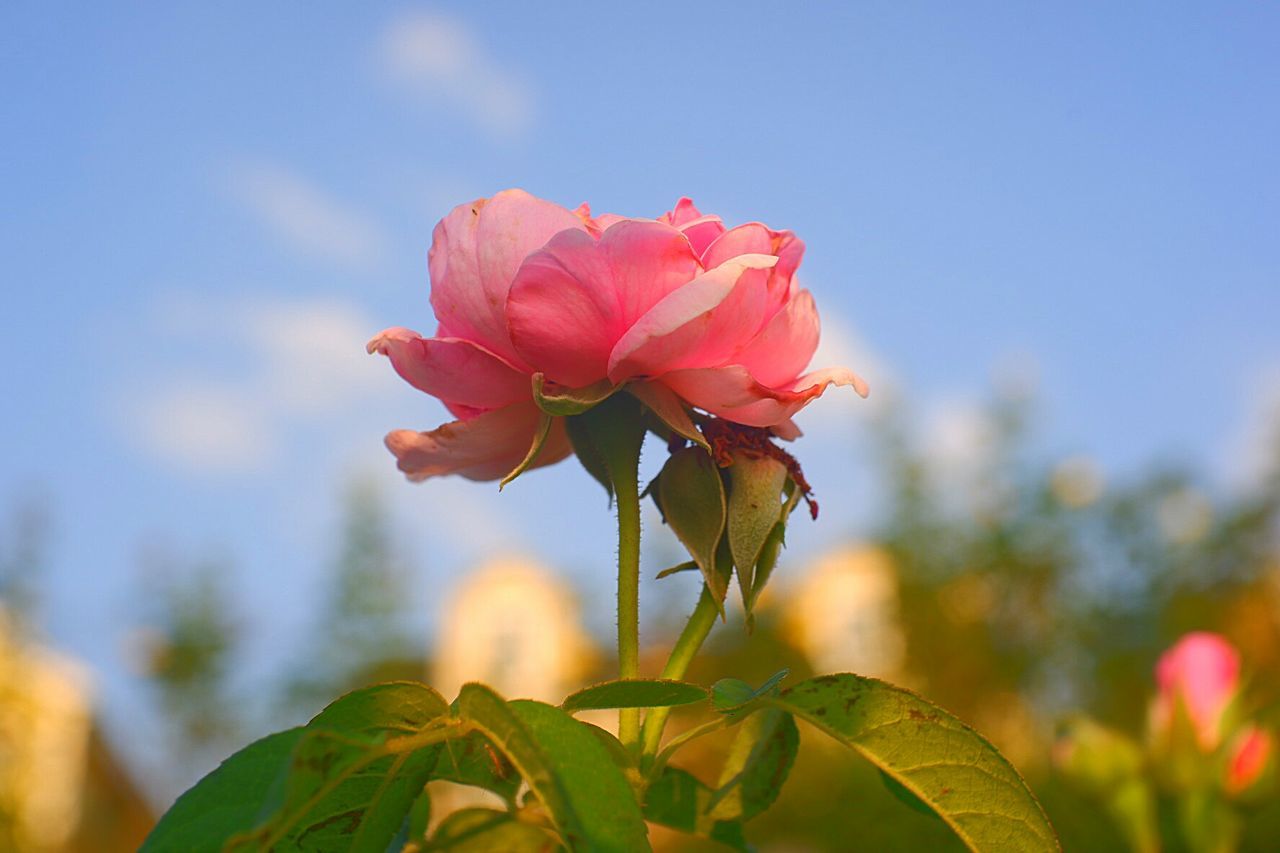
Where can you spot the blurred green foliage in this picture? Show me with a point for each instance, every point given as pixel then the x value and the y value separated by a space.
pixel 359 636
pixel 1030 588
pixel 186 650
pixel 24 538
pixel 193 631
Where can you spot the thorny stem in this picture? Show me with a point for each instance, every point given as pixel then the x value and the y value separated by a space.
pixel 691 638
pixel 626 485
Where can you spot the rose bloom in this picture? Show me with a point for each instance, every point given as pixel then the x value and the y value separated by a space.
pixel 1202 672
pixel 684 311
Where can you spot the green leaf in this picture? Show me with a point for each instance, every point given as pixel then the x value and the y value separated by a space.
pixel 940 760
pixel 731 694
pixel 586 795
pixel 382 710
pixel 560 400
pixel 228 800
pixel 636 693
pixel 670 409
pixel 473 760
pixel 621 757
pixel 479 830
pixel 904 796
pixel 757 766
pixel 539 439
pixel 692 498
pixel 678 799
pixel 356 772
pixel 754 509
pixel 419 817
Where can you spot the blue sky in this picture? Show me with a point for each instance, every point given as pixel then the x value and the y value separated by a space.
pixel 210 207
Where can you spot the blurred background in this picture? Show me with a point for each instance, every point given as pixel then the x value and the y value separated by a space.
pixel 1047 236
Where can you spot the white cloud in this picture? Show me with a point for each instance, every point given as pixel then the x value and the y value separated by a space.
pixel 958 436
pixel 473 519
pixel 438 58
pixel 1254 448
pixel 311 353
pixel 203 427
pixel 306 218
pixel 298 360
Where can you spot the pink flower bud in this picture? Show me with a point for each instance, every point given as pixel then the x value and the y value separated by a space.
pixel 1247 759
pixel 1201 673
pixel 683 310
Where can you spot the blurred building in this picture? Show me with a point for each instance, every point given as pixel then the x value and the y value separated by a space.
pixel 61 789
pixel 515 626
pixel 843 614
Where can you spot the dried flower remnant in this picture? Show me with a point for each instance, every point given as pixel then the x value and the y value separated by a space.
pixel 727 437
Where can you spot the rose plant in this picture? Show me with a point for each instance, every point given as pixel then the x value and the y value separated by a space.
pixel 560 333
pixel 1203 761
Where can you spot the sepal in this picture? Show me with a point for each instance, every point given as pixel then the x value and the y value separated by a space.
pixel 669 411
pixel 561 401
pixel 691 497
pixel 539 438
pixel 754 509
pixel 607 438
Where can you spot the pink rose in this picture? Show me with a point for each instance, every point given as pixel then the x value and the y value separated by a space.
pixel 680 309
pixel 1247 759
pixel 1202 673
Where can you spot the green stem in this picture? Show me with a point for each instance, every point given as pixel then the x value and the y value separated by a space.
pixel 627 489
pixel 661 759
pixel 694 634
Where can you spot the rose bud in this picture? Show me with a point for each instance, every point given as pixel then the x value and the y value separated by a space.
pixel 1197 680
pixel 1249 762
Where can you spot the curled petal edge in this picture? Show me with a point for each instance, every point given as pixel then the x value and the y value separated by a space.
pixel 732 393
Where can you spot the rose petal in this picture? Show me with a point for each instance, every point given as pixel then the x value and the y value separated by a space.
pixel 700 230
pixel 684 211
pixel 474 255
pixel 605 221
pixel 698 325
pixel 597 225
pixel 787 430
pixel 732 393
pixel 512 226
pixel 777 355
pixel 486 447
pixel 561 313
pixel 754 238
pixel 669 408
pixel 452 369
pixel 572 300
